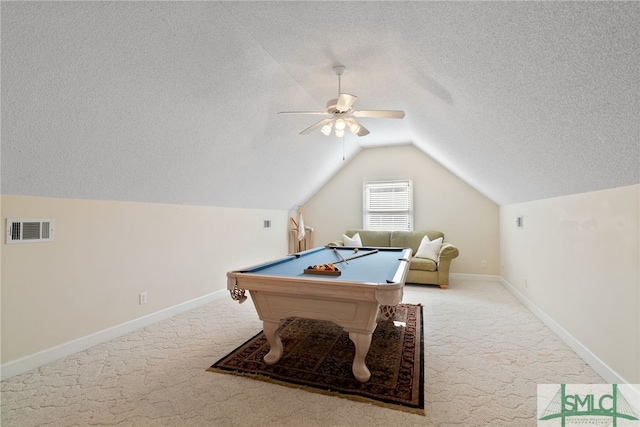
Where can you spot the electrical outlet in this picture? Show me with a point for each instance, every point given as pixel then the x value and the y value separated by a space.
pixel 483 264
pixel 143 298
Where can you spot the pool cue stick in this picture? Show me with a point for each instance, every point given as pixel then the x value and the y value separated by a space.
pixel 341 257
pixel 361 255
pixel 358 256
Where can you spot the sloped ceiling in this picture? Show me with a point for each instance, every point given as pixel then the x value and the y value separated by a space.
pixel 176 102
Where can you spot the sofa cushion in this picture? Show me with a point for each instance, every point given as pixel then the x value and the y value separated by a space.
pixel 429 248
pixel 354 241
pixel 412 239
pixel 423 264
pixel 371 237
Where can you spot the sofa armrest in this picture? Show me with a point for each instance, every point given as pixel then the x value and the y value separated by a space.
pixel 448 252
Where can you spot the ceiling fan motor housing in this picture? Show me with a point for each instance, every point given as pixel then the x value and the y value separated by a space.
pixel 332 107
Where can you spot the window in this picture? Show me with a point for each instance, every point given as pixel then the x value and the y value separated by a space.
pixel 388 205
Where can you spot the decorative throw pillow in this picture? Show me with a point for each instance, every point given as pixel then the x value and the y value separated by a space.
pixel 352 241
pixel 429 248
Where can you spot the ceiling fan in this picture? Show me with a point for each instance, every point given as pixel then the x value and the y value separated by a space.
pixel 342 115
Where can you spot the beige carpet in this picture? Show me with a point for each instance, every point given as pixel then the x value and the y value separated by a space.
pixel 485 353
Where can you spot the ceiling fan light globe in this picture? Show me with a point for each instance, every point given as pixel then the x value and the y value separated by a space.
pixel 326 129
pixel 339 132
pixel 354 127
pixel 340 124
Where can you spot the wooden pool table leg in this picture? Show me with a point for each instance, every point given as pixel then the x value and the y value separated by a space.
pixel 362 342
pixel 275 353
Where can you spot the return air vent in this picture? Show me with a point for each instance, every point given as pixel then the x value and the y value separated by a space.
pixel 29 230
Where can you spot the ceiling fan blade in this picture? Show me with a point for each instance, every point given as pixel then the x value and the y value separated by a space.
pixel 315 126
pixel 362 131
pixel 345 101
pixel 318 113
pixel 381 114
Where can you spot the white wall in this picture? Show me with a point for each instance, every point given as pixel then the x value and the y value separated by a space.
pixel 441 202
pixel 577 259
pixel 105 253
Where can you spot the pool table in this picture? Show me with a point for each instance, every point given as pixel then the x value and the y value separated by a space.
pixel 369 278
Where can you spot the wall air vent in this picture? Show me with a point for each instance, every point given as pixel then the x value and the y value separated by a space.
pixel 29 230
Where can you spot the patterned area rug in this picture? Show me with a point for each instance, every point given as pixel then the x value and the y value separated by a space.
pixel 318 356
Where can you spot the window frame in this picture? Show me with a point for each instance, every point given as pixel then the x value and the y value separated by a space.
pixel 406 210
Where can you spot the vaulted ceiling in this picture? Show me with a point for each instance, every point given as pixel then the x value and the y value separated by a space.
pixel 176 102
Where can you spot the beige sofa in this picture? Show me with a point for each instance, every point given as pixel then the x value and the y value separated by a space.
pixel 421 270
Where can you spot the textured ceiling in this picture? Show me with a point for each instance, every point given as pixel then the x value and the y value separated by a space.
pixel 176 102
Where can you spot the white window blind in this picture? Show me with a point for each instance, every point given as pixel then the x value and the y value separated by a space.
pixel 388 205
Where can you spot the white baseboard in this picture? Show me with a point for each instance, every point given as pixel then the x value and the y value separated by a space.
pixel 475 277
pixel 43 357
pixel 591 359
